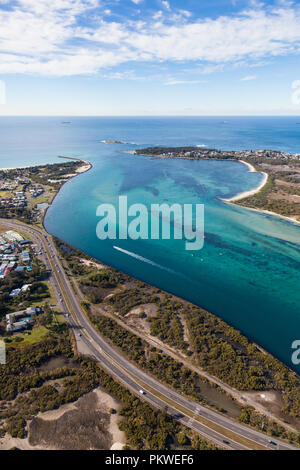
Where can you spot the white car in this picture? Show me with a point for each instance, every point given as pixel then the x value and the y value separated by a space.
pixel 142 392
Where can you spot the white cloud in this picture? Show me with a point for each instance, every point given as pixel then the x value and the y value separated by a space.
pixel 296 84
pixel 248 78
pixel 183 82
pixel 46 37
pixel 166 4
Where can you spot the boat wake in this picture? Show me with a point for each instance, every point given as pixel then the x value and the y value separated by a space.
pixel 146 260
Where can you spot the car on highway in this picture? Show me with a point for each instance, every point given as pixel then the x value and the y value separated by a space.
pixel 142 392
pixel 273 443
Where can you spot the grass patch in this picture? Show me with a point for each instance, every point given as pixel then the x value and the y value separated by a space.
pixel 30 337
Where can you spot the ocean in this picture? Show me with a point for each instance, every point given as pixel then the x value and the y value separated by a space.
pixel 248 270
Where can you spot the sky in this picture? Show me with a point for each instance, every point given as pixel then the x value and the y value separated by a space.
pixel 149 57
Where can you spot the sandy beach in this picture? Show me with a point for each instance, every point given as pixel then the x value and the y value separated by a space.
pixel 82 169
pixel 264 211
pixel 245 194
pixel 17 168
pixel 254 191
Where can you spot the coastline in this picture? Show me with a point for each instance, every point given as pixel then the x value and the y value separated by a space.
pixel 251 192
pixel 85 162
pixel 87 166
pixel 265 211
pixel 245 194
pixel 240 196
pixel 18 167
pixel 251 169
pixel 83 169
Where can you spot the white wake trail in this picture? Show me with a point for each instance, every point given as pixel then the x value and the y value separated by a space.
pixel 146 260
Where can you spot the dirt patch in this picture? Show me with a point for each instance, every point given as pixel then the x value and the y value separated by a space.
pixel 185 329
pixel 92 263
pixel 141 324
pixel 272 402
pixel 57 363
pixel 285 197
pixel 3 229
pixel 149 309
pixel 85 424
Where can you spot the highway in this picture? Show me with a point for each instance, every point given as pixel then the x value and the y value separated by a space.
pixel 214 426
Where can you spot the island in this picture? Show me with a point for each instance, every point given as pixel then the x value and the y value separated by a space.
pixel 112 142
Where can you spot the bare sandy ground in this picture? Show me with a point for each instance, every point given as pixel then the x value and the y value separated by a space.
pixel 84 168
pixel 81 169
pixel 104 402
pixel 92 263
pixel 119 438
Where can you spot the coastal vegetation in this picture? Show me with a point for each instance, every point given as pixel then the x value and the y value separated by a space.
pixel 167 324
pixel 127 299
pixel 152 359
pixel 226 353
pixel 281 194
pixel 185 152
pixel 178 376
pixel 45 179
pixel 207 341
pixel 48 175
pixel 26 389
pixel 216 347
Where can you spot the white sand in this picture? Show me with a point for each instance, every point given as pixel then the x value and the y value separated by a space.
pixel 85 167
pixel 92 263
pixel 252 191
pixel 17 167
pixel 107 401
pixel 264 211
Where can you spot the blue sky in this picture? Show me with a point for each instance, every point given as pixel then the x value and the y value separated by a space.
pixel 149 57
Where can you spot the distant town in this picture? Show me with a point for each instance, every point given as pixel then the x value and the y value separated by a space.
pixel 198 153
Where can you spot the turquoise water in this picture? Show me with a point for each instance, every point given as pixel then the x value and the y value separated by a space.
pixel 247 272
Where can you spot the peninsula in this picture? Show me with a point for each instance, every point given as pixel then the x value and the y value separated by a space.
pixel 279 192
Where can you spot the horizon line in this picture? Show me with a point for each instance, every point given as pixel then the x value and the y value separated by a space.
pixel 147 115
